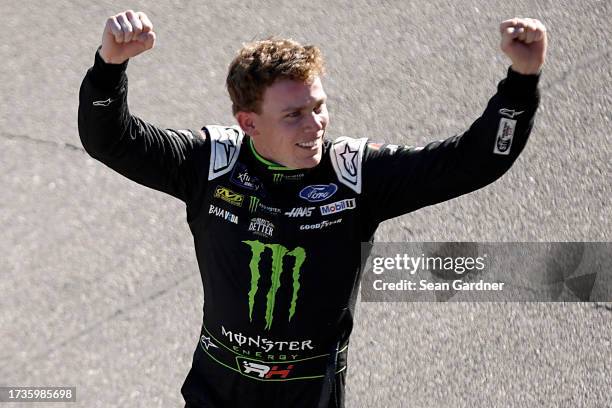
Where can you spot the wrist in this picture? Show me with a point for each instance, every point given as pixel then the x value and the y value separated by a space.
pixel 108 75
pixel 109 60
pixel 524 70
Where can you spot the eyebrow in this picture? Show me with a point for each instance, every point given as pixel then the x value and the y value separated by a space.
pixel 296 108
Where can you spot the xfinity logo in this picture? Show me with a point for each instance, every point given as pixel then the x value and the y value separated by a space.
pixel 300 212
pixel 242 178
pixel 318 192
pixel 338 206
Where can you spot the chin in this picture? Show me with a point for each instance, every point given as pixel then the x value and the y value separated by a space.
pixel 310 162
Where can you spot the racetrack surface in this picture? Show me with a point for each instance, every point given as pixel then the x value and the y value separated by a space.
pixel 99 283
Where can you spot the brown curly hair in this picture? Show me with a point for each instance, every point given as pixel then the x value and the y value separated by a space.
pixel 259 64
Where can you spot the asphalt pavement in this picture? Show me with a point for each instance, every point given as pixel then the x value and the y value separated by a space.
pixel 99 286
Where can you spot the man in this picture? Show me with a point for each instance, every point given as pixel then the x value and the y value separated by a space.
pixel 278 211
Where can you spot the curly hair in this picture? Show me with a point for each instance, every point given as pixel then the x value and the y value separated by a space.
pixel 259 64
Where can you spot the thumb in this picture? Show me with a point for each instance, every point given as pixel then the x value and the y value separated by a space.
pixel 509 34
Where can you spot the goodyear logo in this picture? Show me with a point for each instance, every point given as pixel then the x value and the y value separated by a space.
pixel 229 196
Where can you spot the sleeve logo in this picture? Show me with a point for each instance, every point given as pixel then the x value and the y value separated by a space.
pixel 505 133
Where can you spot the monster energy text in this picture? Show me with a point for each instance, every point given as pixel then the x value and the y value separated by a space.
pixel 265 345
pixel 255 204
pixel 279 253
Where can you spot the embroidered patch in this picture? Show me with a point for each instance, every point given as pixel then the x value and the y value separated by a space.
pixel 505 133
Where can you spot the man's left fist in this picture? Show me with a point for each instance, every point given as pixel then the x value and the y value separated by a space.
pixel 524 40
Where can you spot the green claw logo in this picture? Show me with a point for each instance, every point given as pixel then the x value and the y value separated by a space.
pixel 278 253
pixel 253 204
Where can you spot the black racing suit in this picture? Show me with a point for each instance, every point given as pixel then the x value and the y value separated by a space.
pixel 279 249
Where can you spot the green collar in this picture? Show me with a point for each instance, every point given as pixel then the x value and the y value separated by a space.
pixel 270 164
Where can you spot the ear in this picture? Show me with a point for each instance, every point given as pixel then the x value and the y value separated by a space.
pixel 246 120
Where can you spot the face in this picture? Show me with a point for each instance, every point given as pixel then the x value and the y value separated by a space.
pixel 290 128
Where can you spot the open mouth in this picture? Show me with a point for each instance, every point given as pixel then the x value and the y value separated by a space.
pixel 308 145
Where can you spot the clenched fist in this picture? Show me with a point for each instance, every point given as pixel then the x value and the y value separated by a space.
pixel 126 35
pixel 524 40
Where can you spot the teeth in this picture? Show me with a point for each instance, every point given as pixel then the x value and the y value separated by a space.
pixel 308 144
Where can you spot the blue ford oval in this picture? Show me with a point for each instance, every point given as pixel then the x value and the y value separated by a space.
pixel 318 192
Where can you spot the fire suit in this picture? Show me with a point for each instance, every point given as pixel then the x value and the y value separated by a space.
pixel 278 248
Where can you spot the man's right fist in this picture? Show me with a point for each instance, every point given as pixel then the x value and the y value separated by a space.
pixel 126 35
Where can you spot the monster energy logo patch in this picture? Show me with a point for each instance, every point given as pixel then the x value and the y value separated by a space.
pixel 255 203
pixel 279 254
pixel 279 177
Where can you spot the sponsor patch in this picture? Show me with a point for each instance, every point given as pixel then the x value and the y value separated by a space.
pixel 300 212
pixel 221 213
pixel 279 255
pixel 318 192
pixel 255 204
pixel 505 133
pixel 242 178
pixel 261 227
pixel 229 196
pixel 320 225
pixel 264 371
pixel 338 206
pixel 264 344
pixel 281 177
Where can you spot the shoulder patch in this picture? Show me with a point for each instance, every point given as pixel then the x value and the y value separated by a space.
pixel 225 142
pixel 346 156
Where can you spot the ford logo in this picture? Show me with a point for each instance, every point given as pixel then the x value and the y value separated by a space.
pixel 318 192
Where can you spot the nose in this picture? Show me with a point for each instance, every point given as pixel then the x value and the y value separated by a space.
pixel 315 122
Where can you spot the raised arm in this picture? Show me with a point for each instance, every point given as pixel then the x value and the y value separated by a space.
pixel 398 180
pixel 162 159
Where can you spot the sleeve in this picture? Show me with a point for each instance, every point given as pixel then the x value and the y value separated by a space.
pixel 398 180
pixel 163 159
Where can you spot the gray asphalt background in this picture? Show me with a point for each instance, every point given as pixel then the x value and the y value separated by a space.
pixel 99 285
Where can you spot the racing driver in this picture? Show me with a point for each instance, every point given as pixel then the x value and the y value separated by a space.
pixel 278 209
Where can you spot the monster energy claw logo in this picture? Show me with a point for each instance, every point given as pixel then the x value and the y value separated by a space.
pixel 253 204
pixel 279 253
